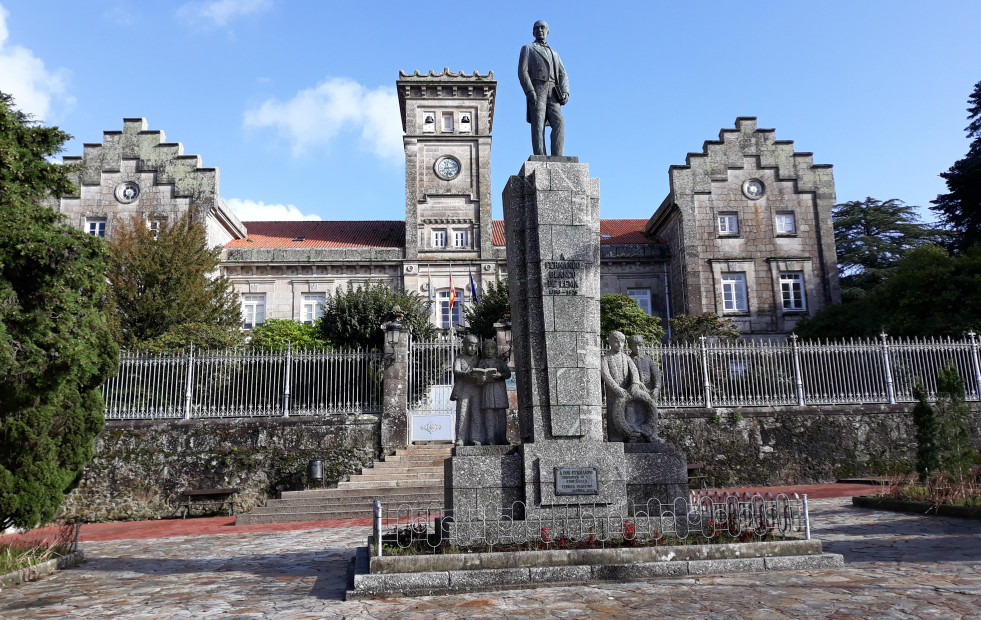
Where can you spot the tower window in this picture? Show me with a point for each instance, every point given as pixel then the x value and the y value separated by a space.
pixel 447 121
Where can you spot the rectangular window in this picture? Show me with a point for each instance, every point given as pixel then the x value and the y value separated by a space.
pixel 728 224
pixel 439 238
pixel 450 317
pixel 312 306
pixel 459 238
pixel 643 297
pixel 253 310
pixel 785 224
pixel 96 226
pixel 792 290
pixel 154 227
pixel 465 124
pixel 447 121
pixel 734 292
pixel 429 122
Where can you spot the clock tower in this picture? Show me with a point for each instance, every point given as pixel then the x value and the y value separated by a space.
pixel 447 119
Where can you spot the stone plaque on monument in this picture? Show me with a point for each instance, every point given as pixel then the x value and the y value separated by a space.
pixel 576 481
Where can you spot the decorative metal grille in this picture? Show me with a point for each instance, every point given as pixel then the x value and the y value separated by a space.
pixel 236 383
pixel 702 517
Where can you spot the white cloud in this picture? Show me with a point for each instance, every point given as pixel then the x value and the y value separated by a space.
pixel 317 116
pixel 220 11
pixel 23 75
pixel 258 211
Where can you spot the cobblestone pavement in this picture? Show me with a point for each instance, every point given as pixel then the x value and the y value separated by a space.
pixel 897 566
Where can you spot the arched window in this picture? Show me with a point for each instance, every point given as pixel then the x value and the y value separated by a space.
pixel 450 317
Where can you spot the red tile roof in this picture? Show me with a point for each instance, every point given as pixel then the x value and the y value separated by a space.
pixel 619 232
pixel 351 234
pixel 390 234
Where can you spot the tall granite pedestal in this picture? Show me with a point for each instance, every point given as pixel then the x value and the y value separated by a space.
pixel 552 222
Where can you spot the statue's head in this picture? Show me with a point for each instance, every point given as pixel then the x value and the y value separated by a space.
pixel 490 348
pixel 471 344
pixel 616 340
pixel 540 30
pixel 637 345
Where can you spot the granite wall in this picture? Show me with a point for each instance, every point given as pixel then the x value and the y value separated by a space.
pixel 141 467
pixel 797 445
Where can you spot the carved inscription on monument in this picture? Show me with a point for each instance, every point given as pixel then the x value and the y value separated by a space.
pixel 562 277
pixel 576 481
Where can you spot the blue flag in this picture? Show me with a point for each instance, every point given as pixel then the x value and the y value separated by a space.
pixel 473 288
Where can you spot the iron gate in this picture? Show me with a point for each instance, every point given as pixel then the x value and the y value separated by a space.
pixel 432 415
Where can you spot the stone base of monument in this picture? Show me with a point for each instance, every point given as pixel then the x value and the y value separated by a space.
pixel 532 480
pixel 420 575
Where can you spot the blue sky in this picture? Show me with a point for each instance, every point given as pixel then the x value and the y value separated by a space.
pixel 295 102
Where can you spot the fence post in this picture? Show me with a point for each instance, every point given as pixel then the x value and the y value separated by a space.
pixel 190 382
pixel 885 360
pixel 395 430
pixel 286 387
pixel 797 374
pixel 706 384
pixel 975 363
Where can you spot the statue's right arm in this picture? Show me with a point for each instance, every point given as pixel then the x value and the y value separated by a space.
pixel 523 76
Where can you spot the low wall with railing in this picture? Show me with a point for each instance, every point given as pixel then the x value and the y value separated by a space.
pixel 141 467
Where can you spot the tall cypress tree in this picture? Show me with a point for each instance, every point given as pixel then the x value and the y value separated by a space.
pixel 960 207
pixel 55 346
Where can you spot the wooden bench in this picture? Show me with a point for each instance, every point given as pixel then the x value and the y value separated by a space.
pixel 697 475
pixel 207 497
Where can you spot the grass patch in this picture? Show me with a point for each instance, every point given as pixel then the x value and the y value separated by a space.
pixel 39 545
pixel 938 489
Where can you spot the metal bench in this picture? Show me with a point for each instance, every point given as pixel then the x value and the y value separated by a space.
pixel 207 497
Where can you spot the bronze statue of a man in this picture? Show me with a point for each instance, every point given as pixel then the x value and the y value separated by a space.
pixel 546 87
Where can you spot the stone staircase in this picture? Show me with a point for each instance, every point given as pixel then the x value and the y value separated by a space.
pixel 414 474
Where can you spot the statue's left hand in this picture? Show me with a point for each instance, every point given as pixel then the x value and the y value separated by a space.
pixel 564 99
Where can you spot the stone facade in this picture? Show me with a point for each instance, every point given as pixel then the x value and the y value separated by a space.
pixel 748 224
pixel 137 172
pixel 673 263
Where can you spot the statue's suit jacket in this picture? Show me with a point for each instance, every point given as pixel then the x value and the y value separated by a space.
pixel 535 65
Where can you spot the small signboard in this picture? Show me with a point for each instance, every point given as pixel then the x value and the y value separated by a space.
pixel 576 481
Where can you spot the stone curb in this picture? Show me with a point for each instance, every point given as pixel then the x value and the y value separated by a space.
pixel 589 557
pixel 922 508
pixel 35 572
pixel 367 586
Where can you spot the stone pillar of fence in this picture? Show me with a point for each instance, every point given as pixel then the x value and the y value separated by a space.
pixel 395 389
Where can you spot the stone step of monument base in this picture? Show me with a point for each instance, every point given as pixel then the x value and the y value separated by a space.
pixel 413 475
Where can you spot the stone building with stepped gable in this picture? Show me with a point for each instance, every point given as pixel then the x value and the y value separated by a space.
pixel 748 224
pixel 671 263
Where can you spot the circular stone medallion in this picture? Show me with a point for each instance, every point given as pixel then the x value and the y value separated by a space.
pixel 753 189
pixel 127 192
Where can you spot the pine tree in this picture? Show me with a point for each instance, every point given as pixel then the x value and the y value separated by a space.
pixel 960 207
pixel 56 349
pixel 162 282
pixel 872 235
pixel 353 316
pixel 492 306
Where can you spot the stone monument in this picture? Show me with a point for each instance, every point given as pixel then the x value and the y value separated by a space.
pixel 552 219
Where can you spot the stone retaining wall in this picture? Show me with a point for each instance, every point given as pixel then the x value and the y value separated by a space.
pixel 141 467
pixel 798 445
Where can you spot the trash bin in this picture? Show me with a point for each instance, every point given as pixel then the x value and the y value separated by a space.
pixel 315 470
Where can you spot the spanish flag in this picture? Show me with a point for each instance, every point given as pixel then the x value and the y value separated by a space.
pixel 452 293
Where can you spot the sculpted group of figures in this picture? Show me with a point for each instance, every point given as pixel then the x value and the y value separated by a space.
pixel 632 383
pixel 480 393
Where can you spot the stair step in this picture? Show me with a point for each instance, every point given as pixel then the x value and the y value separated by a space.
pixel 366 492
pixel 401 496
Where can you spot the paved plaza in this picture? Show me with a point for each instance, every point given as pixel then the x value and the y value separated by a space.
pixel 897 566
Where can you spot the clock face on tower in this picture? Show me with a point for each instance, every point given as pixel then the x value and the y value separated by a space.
pixel 447 167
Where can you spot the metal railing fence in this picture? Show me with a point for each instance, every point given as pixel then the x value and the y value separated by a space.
pixel 702 517
pixel 767 373
pixel 240 383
